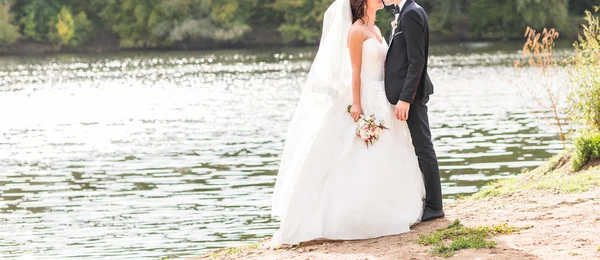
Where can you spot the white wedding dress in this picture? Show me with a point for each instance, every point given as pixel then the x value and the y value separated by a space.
pixel 330 185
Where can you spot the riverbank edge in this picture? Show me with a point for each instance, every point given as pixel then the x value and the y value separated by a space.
pixel 24 48
pixel 549 198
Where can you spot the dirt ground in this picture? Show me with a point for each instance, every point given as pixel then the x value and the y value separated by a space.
pixel 564 226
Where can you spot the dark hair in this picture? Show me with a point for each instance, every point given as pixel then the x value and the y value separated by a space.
pixel 358 9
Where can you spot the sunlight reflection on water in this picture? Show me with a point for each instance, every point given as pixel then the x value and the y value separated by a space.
pixel 171 154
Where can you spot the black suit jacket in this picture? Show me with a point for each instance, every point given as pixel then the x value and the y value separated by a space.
pixel 406 75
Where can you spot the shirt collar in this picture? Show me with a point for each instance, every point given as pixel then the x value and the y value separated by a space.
pixel 401 5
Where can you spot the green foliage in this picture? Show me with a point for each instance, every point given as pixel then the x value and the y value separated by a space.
pixel 543 13
pixel 185 20
pixel 303 19
pixel 449 18
pixel 65 27
pixel 133 21
pixel 224 12
pixel 497 19
pixel 446 241
pixel 158 23
pixel 70 30
pixel 38 18
pixel 228 19
pixel 229 252
pixel 9 33
pixel 587 147
pixel 556 175
pixel 578 7
pixel 584 99
pixel 151 23
pixel 83 29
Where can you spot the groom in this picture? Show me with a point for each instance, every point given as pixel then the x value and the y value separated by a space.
pixel 407 85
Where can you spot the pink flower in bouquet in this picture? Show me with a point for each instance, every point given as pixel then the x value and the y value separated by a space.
pixel 369 128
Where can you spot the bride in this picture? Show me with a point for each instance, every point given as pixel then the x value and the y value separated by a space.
pixel 330 185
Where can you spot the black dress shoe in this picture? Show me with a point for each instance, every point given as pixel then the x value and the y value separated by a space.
pixel 430 214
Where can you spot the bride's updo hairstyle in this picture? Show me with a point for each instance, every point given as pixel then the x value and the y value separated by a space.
pixel 359 9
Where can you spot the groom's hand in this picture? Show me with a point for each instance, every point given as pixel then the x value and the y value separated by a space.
pixel 402 110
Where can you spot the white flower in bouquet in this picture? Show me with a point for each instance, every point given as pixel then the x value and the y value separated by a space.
pixel 369 128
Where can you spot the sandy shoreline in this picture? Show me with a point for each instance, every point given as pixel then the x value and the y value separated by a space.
pixel 561 225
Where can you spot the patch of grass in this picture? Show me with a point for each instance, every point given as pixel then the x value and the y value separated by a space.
pixel 254 246
pixel 587 147
pixel 497 188
pixel 555 175
pixel 234 250
pixel 446 241
pixel 599 248
pixel 574 253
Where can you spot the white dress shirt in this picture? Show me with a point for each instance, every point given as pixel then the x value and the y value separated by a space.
pixel 400 6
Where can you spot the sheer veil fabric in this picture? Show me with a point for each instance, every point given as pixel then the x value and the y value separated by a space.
pixel 327 83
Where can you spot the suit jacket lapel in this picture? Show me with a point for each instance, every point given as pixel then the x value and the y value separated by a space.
pixel 397 20
pixel 408 2
pixel 393 30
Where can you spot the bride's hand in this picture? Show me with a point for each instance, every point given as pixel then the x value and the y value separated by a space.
pixel 355 112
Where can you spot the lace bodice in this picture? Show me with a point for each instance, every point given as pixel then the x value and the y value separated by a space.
pixel 372 92
pixel 373 60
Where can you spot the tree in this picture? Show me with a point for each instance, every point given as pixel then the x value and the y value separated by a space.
pixel 65 27
pixel 499 19
pixel 83 29
pixel 448 18
pixel 37 17
pixel 303 19
pixel 578 7
pixel 230 19
pixel 543 13
pixel 9 33
pixel 133 21
pixel 160 23
pixel 70 30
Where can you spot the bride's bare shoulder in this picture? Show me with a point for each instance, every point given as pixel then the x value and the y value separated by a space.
pixel 357 31
pixel 358 25
pixel 377 28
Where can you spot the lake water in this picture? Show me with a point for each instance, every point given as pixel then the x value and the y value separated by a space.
pixel 148 155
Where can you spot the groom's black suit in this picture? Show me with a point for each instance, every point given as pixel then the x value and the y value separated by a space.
pixel 406 79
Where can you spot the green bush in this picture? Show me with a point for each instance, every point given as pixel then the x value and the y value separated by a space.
pixel 587 147
pixel 584 97
pixel 65 27
pixel 70 29
pixel 302 19
pixel 37 18
pixel 9 33
pixel 490 19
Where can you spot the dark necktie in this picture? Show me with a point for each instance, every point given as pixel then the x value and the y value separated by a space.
pixel 396 10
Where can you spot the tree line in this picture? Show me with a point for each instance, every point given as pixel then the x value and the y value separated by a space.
pixel 220 23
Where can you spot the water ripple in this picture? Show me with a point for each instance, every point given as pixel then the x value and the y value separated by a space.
pixel 164 155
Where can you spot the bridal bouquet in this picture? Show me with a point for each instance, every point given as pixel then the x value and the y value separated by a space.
pixel 369 128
